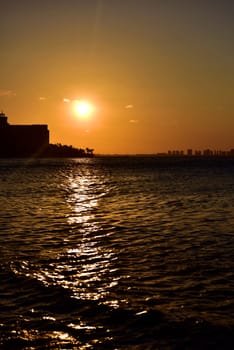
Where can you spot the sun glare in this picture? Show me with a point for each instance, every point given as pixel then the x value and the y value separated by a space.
pixel 83 109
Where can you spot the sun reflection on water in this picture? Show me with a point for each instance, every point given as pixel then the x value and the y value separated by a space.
pixel 82 199
pixel 95 272
pixel 95 262
pixel 85 264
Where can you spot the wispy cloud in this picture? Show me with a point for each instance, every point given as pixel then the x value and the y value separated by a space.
pixel 129 106
pixel 42 98
pixel 133 121
pixel 7 93
pixel 66 100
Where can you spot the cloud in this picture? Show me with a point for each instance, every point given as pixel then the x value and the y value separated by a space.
pixel 66 100
pixel 133 121
pixel 7 93
pixel 129 106
pixel 42 98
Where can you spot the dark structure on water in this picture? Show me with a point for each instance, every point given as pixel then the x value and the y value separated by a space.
pixel 22 140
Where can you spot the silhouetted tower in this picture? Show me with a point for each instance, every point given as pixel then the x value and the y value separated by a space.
pixel 3 120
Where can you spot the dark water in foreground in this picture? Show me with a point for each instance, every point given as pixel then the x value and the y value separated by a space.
pixel 116 253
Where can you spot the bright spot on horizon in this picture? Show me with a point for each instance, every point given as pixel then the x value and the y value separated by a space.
pixel 83 108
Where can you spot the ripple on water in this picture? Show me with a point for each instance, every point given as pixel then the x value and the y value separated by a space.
pixel 101 253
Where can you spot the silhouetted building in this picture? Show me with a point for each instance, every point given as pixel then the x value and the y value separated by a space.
pixel 207 152
pixel 189 152
pixel 22 140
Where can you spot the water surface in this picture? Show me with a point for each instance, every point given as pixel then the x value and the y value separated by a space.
pixel 116 253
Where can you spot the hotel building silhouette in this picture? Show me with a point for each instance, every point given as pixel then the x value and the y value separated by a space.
pixel 22 140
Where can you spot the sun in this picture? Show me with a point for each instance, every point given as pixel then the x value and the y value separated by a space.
pixel 83 108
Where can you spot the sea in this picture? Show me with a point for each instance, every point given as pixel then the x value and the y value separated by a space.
pixel 117 252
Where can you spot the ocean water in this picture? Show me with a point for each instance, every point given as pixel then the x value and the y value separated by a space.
pixel 116 253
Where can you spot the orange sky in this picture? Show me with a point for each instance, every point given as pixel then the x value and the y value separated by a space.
pixel 160 74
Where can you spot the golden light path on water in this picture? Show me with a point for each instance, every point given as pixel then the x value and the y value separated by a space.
pixel 98 259
pixel 87 267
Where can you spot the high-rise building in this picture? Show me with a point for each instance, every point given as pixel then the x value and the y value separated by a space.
pixel 22 140
pixel 189 152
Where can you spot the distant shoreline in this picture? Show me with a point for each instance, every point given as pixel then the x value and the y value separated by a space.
pixel 165 156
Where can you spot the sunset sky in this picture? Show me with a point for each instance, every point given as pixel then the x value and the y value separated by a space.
pixel 159 74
